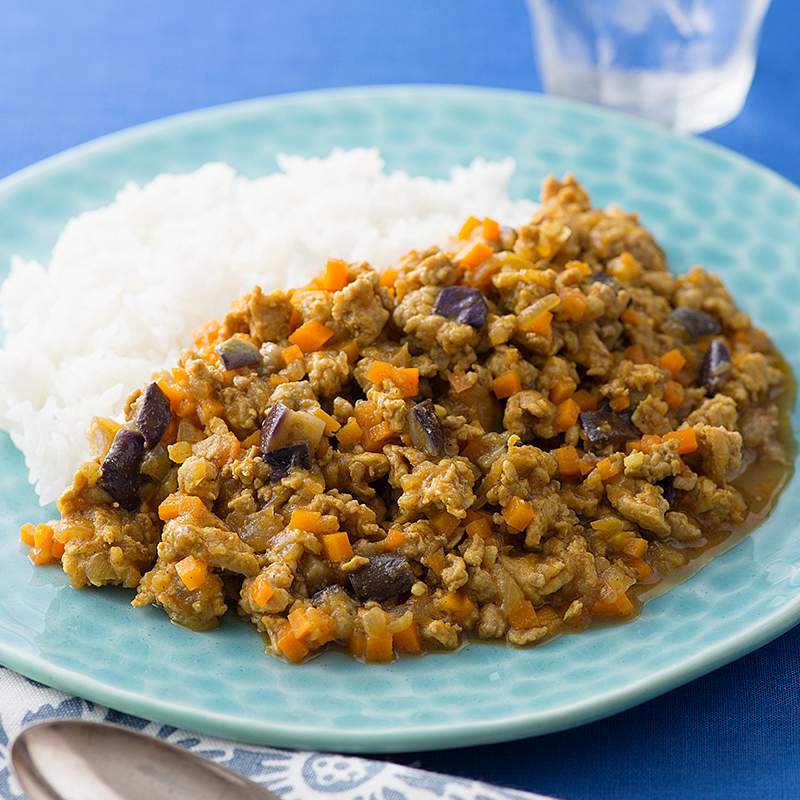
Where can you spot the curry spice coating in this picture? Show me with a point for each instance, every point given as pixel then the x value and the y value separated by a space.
pixel 504 442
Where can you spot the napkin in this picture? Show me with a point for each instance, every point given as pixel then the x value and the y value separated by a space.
pixel 292 775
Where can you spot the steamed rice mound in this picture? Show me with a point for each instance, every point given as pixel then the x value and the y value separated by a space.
pixel 112 305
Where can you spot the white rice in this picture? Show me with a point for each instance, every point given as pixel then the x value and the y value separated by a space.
pixel 127 283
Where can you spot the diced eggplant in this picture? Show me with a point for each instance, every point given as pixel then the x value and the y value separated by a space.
pixel 236 352
pixel 426 429
pixel 608 280
pixel 153 415
pixel 508 237
pixel 282 462
pixel 275 427
pixel 603 427
pixel 692 323
pixel 385 576
pixel 283 426
pixel 716 367
pixel 668 489
pixel 462 304
pixel 120 476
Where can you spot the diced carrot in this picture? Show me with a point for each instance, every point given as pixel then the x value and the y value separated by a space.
pixel 480 526
pixel 635 354
pixel 311 335
pixel 192 572
pixel 366 414
pixel 331 424
pixel 569 460
pixel 379 649
pixel 389 276
pixel 305 520
pixel 226 449
pixel 505 385
pixel 45 548
pixel 629 316
pixel 585 466
pixel 459 382
pixel 260 591
pixel 349 433
pixel 292 353
pixel 473 448
pixel 206 334
pixel 405 378
pixel 472 256
pixel 491 230
pixel 540 324
pixel 444 523
pixel 621 607
pixel 393 539
pixel 673 362
pixel 523 616
pixel 586 400
pixel 620 402
pixel 468 227
pixel 336 547
pixel 458 604
pixel 648 442
pixel 673 394
pixel 26 533
pixel 293 648
pixel 635 547
pixel 561 390
pixel 518 513
pixel 335 277
pixel 607 469
pixel 567 414
pixel 208 408
pixel 641 569
pixel 56 549
pixel 180 505
pixel 300 623
pixel 295 319
pixel 436 562
pixel 408 640
pixel 373 439
pixel 687 440
pixel 39 557
pixel 573 303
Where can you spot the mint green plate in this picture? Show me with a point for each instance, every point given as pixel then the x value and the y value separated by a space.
pixel 704 204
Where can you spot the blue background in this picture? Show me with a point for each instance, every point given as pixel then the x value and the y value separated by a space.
pixel 70 72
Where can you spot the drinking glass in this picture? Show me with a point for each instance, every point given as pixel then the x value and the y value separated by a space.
pixel 687 64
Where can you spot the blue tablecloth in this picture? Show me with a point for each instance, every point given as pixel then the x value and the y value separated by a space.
pixel 70 72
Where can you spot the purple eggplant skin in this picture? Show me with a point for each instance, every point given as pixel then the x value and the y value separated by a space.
pixel 715 368
pixel 153 416
pixel 426 429
pixel 692 323
pixel 462 304
pixel 281 462
pixel 236 353
pixel 274 427
pixel 119 476
pixel 602 427
pixel 386 575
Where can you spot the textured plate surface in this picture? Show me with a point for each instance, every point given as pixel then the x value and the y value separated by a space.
pixel 704 205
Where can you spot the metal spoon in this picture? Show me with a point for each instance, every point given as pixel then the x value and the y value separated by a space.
pixel 75 760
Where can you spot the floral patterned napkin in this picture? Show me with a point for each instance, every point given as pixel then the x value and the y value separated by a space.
pixel 292 775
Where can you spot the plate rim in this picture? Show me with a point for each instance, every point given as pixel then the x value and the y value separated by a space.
pixel 770 627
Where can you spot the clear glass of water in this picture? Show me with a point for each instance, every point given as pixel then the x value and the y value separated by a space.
pixel 686 64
